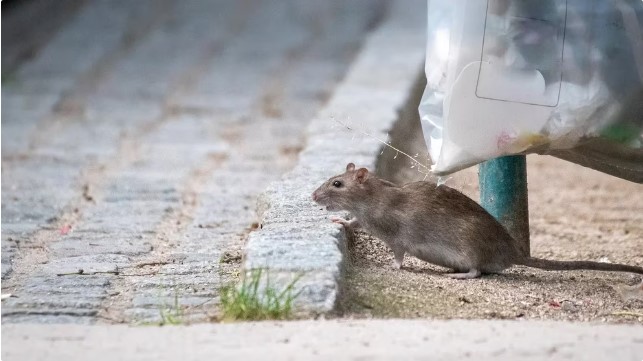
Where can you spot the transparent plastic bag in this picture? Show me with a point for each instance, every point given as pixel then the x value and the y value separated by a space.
pixel 560 77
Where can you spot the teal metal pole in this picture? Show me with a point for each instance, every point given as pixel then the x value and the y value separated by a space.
pixel 503 193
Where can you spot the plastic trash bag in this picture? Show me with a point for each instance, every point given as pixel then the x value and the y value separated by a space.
pixel 547 76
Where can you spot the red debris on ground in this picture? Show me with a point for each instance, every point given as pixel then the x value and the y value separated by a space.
pixel 65 229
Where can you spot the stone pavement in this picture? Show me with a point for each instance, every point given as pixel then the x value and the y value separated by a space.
pixel 327 340
pixel 137 138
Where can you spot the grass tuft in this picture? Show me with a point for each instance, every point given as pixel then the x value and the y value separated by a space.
pixel 173 314
pixel 249 301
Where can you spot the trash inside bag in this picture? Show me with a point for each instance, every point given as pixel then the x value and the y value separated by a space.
pixel 559 77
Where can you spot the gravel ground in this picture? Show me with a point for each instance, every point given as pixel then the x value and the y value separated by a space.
pixel 575 214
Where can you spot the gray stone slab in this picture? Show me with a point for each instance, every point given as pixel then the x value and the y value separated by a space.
pixel 49 298
pixel 328 340
pixel 53 317
pixel 78 246
pixel 88 262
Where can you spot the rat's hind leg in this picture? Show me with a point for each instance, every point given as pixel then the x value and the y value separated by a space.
pixel 473 273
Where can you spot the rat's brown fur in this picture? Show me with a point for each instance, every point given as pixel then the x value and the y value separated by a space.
pixel 436 224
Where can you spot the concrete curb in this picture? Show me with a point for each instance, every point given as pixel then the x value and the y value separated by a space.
pixel 296 236
pixel 328 340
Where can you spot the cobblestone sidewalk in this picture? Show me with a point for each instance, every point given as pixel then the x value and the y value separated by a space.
pixel 136 140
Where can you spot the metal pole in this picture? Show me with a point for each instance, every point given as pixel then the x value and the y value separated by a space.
pixel 503 193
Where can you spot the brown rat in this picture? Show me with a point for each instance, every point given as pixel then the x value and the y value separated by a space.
pixel 436 224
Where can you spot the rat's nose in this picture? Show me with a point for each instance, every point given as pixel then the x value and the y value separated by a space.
pixel 314 196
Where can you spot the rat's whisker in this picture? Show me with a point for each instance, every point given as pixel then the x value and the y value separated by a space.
pixel 386 143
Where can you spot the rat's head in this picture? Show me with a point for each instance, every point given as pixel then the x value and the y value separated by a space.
pixel 343 191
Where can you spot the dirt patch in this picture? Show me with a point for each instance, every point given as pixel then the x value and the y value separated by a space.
pixel 375 289
pixel 575 213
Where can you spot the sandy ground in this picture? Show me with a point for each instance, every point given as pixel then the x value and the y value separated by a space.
pixel 575 214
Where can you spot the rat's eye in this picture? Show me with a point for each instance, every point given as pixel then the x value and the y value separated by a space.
pixel 337 184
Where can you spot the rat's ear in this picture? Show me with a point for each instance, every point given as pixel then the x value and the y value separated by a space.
pixel 361 175
pixel 350 167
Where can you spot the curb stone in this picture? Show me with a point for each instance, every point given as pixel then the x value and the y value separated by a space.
pixel 328 340
pixel 296 237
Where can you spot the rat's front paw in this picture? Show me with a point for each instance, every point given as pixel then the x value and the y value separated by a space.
pixel 343 222
pixel 338 220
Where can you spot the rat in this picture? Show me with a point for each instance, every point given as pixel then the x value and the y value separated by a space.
pixel 434 223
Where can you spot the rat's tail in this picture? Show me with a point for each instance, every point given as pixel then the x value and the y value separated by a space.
pixel 551 265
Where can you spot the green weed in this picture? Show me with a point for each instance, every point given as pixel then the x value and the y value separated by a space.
pixel 250 301
pixel 172 314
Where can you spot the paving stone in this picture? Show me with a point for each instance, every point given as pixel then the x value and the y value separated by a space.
pixel 79 246
pixel 89 263
pixel 53 317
